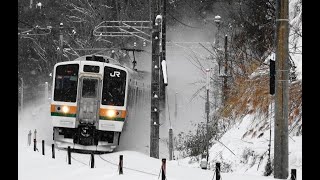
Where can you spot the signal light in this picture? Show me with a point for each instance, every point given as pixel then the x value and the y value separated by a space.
pixel 272 77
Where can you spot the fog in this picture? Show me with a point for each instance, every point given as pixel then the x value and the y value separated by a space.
pixel 182 75
pixel 36 115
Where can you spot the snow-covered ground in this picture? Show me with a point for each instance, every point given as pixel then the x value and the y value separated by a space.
pixel 244 148
pixel 33 165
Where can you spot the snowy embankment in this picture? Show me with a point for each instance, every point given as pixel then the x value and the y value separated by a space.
pixel 244 149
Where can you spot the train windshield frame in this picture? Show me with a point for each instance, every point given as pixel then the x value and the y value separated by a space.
pixel 66 83
pixel 114 86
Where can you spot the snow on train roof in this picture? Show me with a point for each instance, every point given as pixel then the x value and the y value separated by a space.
pixel 107 59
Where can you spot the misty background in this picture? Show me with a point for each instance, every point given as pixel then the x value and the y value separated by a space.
pixel 186 22
pixel 249 24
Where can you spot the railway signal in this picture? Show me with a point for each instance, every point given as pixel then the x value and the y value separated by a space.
pixel 272 77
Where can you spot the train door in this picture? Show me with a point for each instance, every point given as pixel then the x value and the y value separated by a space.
pixel 89 100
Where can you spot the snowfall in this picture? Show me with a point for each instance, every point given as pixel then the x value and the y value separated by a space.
pixel 32 165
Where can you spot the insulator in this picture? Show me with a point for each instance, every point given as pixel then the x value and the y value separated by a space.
pixel 155 96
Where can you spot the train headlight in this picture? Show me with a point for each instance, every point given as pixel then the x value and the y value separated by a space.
pixel 111 113
pixel 65 109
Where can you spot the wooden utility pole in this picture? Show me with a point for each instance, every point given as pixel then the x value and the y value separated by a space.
pixel 281 91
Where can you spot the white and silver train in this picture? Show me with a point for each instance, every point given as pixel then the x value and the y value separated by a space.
pixel 92 97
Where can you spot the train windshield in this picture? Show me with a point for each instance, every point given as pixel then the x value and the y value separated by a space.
pixel 66 82
pixel 89 88
pixel 114 86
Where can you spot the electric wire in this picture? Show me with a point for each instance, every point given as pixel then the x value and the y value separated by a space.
pixel 183 23
pixel 79 161
pixel 127 167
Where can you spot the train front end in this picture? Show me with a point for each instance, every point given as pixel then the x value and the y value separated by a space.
pixel 88 105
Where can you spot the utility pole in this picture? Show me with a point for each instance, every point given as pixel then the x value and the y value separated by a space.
pixel 163 73
pixel 155 80
pixel 170 130
pixel 207 108
pixel 21 98
pixel 60 42
pixel 46 93
pixel 162 47
pixel 281 91
pixel 175 106
pixel 158 67
pixel 158 83
pixel 225 76
pixel 217 20
pixel 31 2
pixel 170 144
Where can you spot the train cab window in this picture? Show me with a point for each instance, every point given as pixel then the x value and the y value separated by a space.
pixel 89 88
pixel 66 82
pixel 114 86
pixel 89 68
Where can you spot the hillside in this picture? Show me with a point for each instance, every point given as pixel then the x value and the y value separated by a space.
pixel 247 119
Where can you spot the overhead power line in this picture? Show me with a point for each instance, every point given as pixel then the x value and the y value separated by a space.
pixel 183 23
pixel 25 23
